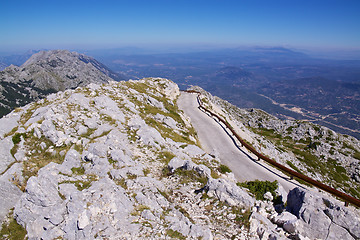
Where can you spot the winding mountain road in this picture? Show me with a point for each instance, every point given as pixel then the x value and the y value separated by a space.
pixel 214 139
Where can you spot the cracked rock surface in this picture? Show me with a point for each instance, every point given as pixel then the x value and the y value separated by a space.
pixel 121 161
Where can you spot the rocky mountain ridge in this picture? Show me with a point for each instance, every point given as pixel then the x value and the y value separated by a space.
pixel 120 161
pixel 314 150
pixel 48 72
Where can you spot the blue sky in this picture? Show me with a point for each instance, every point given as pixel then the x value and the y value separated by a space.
pixel 333 24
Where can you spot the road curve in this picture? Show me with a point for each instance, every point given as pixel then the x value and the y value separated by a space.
pixel 215 139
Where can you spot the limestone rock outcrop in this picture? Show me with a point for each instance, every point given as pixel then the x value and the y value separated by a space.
pixel 48 72
pixel 119 160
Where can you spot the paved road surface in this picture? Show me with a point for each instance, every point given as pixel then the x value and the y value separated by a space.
pixel 214 139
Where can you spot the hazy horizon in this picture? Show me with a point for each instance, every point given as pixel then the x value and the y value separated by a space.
pixel 313 26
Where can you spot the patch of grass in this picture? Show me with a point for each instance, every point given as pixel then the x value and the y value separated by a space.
pixel 309 159
pixel 242 216
pixel 132 136
pixel 349 146
pixel 174 234
pixel 140 87
pixel 78 148
pixel 14 150
pixel 108 119
pixel 164 194
pixel 16 138
pixel 121 182
pixel 40 158
pixel 224 169
pixel 259 188
pixel 165 156
pixel 337 172
pixel 356 155
pixel 88 133
pixel 131 176
pixel 313 145
pixel 146 171
pixel 78 170
pixel 189 176
pixel 11 230
pixel 293 166
pixel 214 174
pixel 139 209
pixel 205 196
pixel 165 172
pixel 111 161
pixel 290 129
pixel 82 184
pixel 355 192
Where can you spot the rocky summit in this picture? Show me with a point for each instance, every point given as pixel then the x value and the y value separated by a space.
pixel 48 72
pixel 119 160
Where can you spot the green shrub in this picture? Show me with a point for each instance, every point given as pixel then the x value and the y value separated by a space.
pixel 224 169
pixel 259 188
pixel 17 137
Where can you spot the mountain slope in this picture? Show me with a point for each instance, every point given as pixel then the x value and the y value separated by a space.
pixel 100 156
pixel 314 150
pixel 121 161
pixel 47 72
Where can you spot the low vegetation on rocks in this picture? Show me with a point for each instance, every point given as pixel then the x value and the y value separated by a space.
pixel 98 162
pixel 311 149
pixel 121 161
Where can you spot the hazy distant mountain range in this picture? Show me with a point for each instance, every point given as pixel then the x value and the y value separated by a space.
pixel 285 83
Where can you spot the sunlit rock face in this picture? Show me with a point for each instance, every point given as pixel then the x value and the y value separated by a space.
pixel 48 72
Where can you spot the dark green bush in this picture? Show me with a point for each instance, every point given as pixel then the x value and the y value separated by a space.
pixel 17 137
pixel 224 169
pixel 259 188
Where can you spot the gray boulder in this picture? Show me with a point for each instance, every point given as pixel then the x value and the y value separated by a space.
pixel 284 217
pixel 6 158
pixel 8 122
pixel 176 163
pixel 109 107
pixel 342 217
pixel 194 151
pixel 9 195
pixel 319 217
pixel 72 159
pixel 229 192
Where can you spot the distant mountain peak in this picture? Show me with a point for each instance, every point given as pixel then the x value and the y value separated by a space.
pixel 47 56
pixel 46 72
